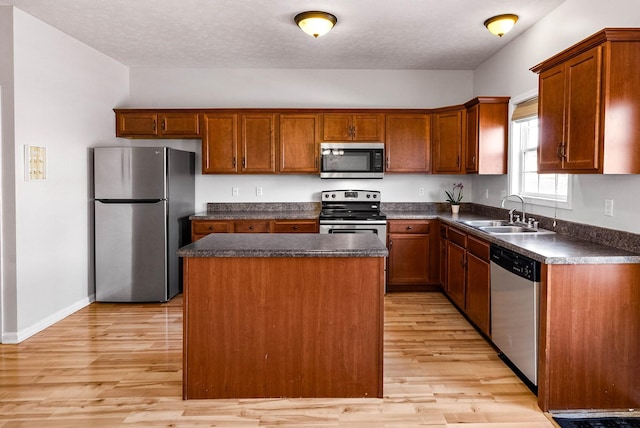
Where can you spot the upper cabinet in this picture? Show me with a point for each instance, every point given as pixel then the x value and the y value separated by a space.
pixel 352 127
pixel 448 134
pixel 238 143
pixel 298 144
pixel 589 106
pixel 155 124
pixel 408 143
pixel 487 120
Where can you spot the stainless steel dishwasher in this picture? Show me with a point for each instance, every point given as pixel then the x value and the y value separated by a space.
pixel 515 295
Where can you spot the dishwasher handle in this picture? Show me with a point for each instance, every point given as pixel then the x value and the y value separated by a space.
pixel 515 263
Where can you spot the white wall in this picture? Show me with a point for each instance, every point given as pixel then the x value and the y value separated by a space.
pixel 64 93
pixel 507 73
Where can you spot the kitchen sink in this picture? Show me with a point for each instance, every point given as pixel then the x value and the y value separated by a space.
pixel 504 227
pixel 485 223
pixel 507 229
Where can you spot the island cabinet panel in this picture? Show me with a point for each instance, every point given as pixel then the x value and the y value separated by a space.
pixel 283 327
pixel 408 143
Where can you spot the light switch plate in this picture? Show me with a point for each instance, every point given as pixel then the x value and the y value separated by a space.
pixel 608 207
pixel 35 163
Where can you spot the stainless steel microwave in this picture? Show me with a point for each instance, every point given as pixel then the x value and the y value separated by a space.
pixel 352 160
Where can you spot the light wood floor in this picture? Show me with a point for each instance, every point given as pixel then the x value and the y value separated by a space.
pixel 112 365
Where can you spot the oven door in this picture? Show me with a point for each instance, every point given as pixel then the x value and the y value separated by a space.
pixel 379 229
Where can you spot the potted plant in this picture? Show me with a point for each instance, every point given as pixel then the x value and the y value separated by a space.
pixel 454 197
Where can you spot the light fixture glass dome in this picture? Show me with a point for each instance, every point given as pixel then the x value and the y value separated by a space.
pixel 315 23
pixel 501 24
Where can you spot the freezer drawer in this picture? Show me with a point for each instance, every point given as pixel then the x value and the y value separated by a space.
pixel 130 252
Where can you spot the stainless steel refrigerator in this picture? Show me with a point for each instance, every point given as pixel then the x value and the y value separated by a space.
pixel 143 199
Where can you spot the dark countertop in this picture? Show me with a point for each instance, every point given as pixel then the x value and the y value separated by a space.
pixel 285 245
pixel 545 248
pixel 550 249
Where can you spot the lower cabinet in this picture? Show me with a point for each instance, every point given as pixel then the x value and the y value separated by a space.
pixel 201 228
pixel 477 302
pixel 413 254
pixel 467 279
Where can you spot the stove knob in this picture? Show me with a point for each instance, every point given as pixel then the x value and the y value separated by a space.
pixel 333 195
pixel 375 196
pixel 326 195
pixel 368 195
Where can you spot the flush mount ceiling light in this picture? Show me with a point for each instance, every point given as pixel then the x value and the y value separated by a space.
pixel 315 23
pixel 501 24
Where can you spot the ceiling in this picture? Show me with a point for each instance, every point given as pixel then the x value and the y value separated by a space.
pixel 370 34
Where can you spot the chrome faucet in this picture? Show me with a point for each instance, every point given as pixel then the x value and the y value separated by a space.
pixel 512 210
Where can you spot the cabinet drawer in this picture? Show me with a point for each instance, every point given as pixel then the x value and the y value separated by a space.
pixel 409 226
pixel 478 248
pixel 251 227
pixel 458 237
pixel 295 226
pixel 204 227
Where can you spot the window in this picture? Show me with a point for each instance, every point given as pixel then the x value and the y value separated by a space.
pixel 539 189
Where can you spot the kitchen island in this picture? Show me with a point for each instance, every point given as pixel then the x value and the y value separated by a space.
pixel 283 315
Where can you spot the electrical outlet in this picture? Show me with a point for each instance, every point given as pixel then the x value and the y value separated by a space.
pixel 608 207
pixel 235 191
pixel 420 191
pixel 258 191
pixel 486 193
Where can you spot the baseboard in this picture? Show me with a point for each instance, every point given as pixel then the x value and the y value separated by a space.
pixel 17 337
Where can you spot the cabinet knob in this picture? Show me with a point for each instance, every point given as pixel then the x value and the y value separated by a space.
pixel 250 227
pixel 210 227
pixel 409 227
pixel 295 227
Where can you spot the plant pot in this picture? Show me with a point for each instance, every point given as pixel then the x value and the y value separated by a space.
pixel 455 209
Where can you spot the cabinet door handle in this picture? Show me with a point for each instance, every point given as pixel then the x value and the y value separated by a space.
pixel 387 162
pixel 154 125
pixel 390 243
pixel 561 150
pixel 234 162
pixel 353 132
pixel 164 124
pixel 244 162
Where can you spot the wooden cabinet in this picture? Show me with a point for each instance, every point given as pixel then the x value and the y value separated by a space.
pixel 201 228
pixel 448 132
pixel 442 242
pixel 456 258
pixel 298 144
pixel 228 148
pixel 487 126
pixel 589 107
pixel 352 127
pixel 478 285
pixel 467 277
pixel 150 124
pixel 408 143
pixel 295 226
pixel 413 256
